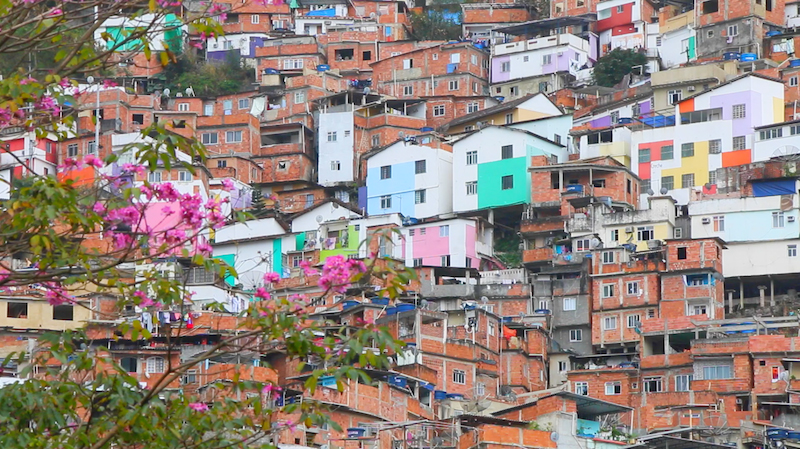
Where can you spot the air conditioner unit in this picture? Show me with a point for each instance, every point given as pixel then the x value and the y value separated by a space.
pixel 790 219
pixel 327 22
pixel 629 230
pixel 691 88
pixel 706 221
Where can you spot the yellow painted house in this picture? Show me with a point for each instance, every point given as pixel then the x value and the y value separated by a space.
pixel 529 107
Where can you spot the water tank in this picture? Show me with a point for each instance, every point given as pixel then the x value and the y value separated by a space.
pixel 794 63
pixel 356 432
pixel 426 129
pixel 347 304
pixel 773 33
pixel 731 56
pixel 391 310
pixel 380 301
pixel 440 395
pixel 270 71
pixel 749 57
pixel 405 307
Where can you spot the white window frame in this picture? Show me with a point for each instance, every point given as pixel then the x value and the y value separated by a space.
pixel 570 304
pixel 439 111
pixel 608 257
pixel 683 382
pixel 739 111
pixel 255 19
pixel 185 176
pixel 472 157
pixel 233 136
pixel 608 321
pixel 615 385
pixel 633 320
pixel 659 384
pixel 420 196
pixel 444 231
pixel 209 138
pixel 633 288
pixel 582 388
pixel 472 187
pixel 459 377
pixel 452 85
pixel 791 250
pixel 155 365
pixel 778 219
pixel 183 107
pixel 575 335
pixel 386 202
pixel 609 290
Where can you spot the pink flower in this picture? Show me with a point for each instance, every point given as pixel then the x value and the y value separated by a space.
pixel 99 208
pixel 65 82
pixel 70 164
pixel 306 266
pixel 109 83
pixel 272 277
pixel 57 295
pixel 92 160
pixel 166 192
pixel 290 425
pixel 271 390
pixel 198 407
pixel 56 12
pixel 144 300
pixel 133 168
pixel 27 80
pixel 263 294
pixel 227 185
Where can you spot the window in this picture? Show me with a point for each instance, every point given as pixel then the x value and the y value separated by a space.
pixel 683 382
pixel 209 138
pixel 687 180
pixel 184 176
pixel 615 117
pixel 793 81
pixel 455 58
pixel 254 19
pixel 719 223
pixel 739 143
pixel 155 365
pixel 507 182
pixel 472 157
pixel 183 107
pixel 668 182
pixel 513 91
pixel 773 133
pixel 644 155
pixel 417 262
pixel 222 163
pixel 91 148
pixel 292 64
pixel 570 304
pixel 129 364
pixel 452 85
pixel 687 149
pixel 444 231
pixel 419 196
pixel 717 372
pixel 563 366
pixel 208 109
pixel 154 176
pixel 505 66
pixel 653 384
pixel 233 136
pixel 733 30
pixel 608 290
pixel 582 388
pixel 712 177
pixel 792 250
pixel 633 288
pixel 386 201
pixel 336 165
pixel 507 151
pixel 17 310
pixel 667 152
pixel 420 167
pixel 299 97
pixel 739 111
pixel 422 231
pixel 309 200
pixel 582 245
pixel 615 235
pixel 644 233
pixel 435 56
pixel 72 150
pixel 613 388
pixel 376 141
pixel 509 118
pixel 446 261
pixel 386 172
pixel 777 219
pixel 408 91
pixel 331 136
pixel 608 257
pixel 472 107
pixel 682 253
pixel 674 96
pixel 575 335
pixel 438 111
pixel 472 187
pixel 227 107
pixel 697 309
pixel 715 146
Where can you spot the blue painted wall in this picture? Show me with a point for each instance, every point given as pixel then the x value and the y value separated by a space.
pixel 400 186
pixel 742 226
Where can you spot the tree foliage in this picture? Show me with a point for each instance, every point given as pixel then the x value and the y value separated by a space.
pixel 90 238
pixel 435 25
pixel 611 68
pixel 211 78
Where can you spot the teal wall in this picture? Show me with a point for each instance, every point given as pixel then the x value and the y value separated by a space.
pixel 229 259
pixel 490 187
pixel 277 256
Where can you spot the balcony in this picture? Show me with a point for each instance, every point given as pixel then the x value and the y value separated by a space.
pixel 447 291
pixel 580 223
pixel 722 385
pixel 539 43
pixel 537 255
pixel 543 224
pixel 666 360
pixel 394 120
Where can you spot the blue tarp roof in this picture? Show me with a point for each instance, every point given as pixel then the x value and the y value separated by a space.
pixel 331 12
pixel 775 187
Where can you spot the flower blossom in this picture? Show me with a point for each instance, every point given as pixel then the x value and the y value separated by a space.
pixel 272 277
pixel 144 300
pixel 198 407
pixel 227 185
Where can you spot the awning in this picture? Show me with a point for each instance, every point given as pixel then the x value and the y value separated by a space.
pixel 775 187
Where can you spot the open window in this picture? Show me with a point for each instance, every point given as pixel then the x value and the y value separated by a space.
pixel 710 6
pixel 344 54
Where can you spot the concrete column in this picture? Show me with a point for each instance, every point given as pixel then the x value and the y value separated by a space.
pixel 741 294
pixel 667 349
pixel 761 289
pixel 730 300
pixel 771 292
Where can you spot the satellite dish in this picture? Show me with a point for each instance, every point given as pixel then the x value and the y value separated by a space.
pixel 789 152
pixel 707 185
pixel 372 15
pixel 554 436
pixel 650 192
pixel 664 190
pixel 401 134
pixel 252 280
pixel 484 299
pixel 423 304
pixel 320 218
